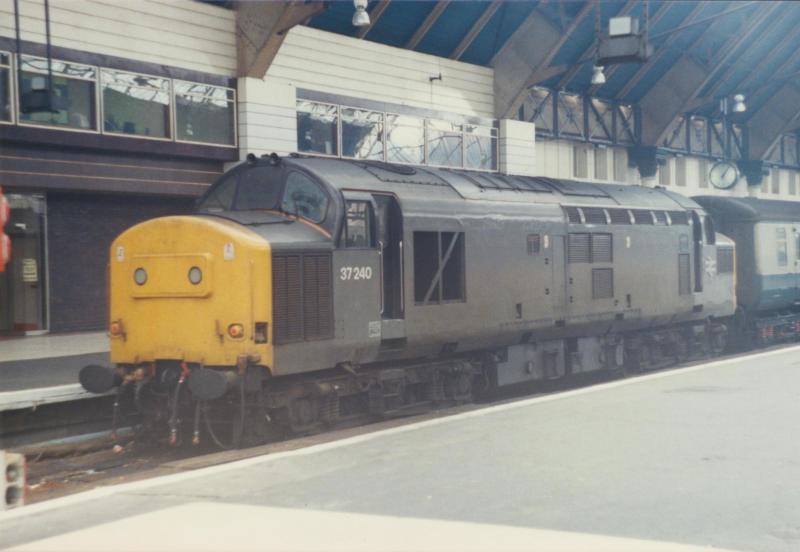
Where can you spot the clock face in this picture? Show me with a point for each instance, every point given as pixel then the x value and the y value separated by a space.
pixel 723 175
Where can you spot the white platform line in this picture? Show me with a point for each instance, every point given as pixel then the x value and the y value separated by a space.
pixel 31 398
pixel 102 492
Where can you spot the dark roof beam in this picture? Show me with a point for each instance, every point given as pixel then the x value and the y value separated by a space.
pixel 261 28
pixel 540 68
pixel 374 16
pixel 681 84
pixel 662 48
pixel 426 25
pixel 476 29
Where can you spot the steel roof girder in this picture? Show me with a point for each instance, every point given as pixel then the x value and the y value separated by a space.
pixel 374 16
pixel 476 29
pixel 426 25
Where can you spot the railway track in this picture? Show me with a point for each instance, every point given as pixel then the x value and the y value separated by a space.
pixel 81 462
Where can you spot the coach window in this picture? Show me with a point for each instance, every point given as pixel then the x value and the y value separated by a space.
pixel 358 227
pixel 5 88
pixel 135 104
pixel 317 128
pixel 304 197
pixel 72 93
pixel 205 114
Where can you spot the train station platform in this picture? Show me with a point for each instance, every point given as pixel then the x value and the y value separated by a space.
pixel 43 369
pixel 701 458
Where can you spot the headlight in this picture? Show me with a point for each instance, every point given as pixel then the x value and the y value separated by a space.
pixel 140 276
pixel 195 275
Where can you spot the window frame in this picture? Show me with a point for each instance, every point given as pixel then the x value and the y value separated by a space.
pixel 172 128
pixel 12 96
pixel 340 132
pixel 372 242
pixel 95 80
pixel 174 103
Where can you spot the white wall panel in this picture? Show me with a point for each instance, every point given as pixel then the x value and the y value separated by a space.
pixel 179 33
pixel 321 61
pixel 267 117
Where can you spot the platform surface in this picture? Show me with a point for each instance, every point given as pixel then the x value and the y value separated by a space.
pixel 702 456
pixel 43 369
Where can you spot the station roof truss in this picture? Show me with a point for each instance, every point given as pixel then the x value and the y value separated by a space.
pixel 702 52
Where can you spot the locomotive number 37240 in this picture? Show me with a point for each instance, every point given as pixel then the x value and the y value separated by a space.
pixel 355 273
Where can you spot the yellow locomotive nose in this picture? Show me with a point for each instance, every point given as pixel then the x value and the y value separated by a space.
pixel 179 285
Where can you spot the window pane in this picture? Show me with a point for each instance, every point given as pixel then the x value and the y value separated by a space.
pixel 317 128
pixel 444 144
pixel 5 94
pixel 135 104
pixel 481 148
pixel 221 198
pixel 59 68
pixel 405 139
pixel 359 224
pixel 304 197
pixel 204 113
pixel 73 101
pixel 453 288
pixel 426 264
pixel 362 134
pixel 259 188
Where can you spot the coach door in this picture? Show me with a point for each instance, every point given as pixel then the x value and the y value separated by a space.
pixel 389 223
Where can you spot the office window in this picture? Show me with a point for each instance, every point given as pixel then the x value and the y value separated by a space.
pixel 317 125
pixel 601 164
pixel 620 165
pixel 580 162
pixel 439 267
pixel 405 139
pixel 205 113
pixel 362 134
pixel 680 171
pixel 480 146
pixel 775 177
pixel 664 177
pixel 73 94
pixel 445 142
pixel 781 243
pixel 135 104
pixel 358 227
pixel 5 88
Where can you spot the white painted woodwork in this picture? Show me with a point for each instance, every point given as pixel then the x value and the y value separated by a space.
pixel 179 33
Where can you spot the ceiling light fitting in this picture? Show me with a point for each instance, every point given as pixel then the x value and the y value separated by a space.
pixel 360 17
pixel 598 77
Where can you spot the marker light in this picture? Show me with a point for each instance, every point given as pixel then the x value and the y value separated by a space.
pixel 195 275
pixel 115 328
pixel 236 331
pixel 140 276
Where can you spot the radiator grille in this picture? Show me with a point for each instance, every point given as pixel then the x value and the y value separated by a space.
pixel 724 260
pixel 602 283
pixel 684 275
pixel 642 216
pixel 302 298
pixel 619 216
pixel 573 215
pixel 594 215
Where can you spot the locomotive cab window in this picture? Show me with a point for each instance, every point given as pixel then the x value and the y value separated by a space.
pixel 304 197
pixel 359 224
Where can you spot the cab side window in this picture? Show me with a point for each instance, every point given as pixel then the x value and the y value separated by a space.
pixel 359 224
pixel 304 197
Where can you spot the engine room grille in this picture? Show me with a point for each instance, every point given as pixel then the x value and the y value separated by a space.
pixel 724 260
pixel 594 215
pixel 602 283
pixel 302 301
pixel 619 216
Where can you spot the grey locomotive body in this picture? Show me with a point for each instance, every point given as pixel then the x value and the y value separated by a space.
pixel 515 277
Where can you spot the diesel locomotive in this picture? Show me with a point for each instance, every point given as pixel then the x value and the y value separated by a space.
pixel 309 290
